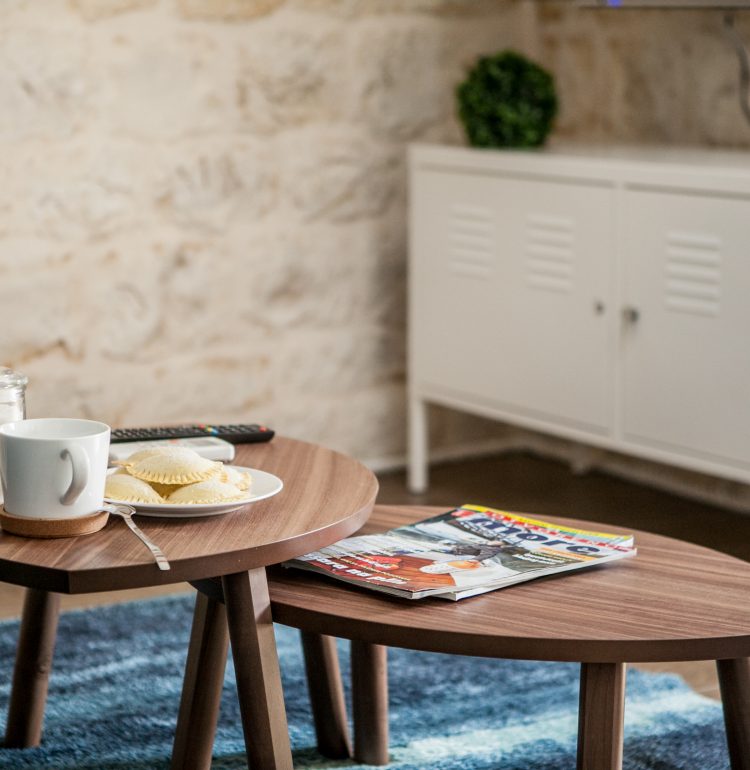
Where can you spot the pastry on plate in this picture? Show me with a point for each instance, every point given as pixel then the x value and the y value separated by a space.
pixel 128 489
pixel 241 479
pixel 204 492
pixel 171 465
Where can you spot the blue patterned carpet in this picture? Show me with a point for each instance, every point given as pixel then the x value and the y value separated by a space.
pixel 115 690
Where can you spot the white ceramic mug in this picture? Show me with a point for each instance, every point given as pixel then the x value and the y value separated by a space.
pixel 53 468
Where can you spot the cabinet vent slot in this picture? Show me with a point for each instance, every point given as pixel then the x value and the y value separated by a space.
pixel 471 236
pixel 693 273
pixel 549 252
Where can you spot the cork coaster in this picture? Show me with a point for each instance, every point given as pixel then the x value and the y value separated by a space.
pixel 48 528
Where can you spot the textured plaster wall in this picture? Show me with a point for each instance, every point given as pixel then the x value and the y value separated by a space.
pixel 202 208
pixel 638 75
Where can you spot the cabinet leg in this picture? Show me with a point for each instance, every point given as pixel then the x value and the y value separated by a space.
pixel 256 665
pixel 370 702
pixel 418 445
pixel 734 683
pixel 600 716
pixel 201 689
pixel 326 695
pixel 36 647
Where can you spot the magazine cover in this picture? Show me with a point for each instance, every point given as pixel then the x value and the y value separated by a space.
pixel 463 552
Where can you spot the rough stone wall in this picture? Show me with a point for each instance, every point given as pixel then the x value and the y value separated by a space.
pixel 202 208
pixel 656 76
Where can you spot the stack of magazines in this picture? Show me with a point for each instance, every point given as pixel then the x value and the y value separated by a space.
pixel 464 552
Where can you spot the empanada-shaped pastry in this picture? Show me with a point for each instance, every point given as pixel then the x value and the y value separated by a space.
pixel 171 465
pixel 211 491
pixel 128 489
pixel 241 479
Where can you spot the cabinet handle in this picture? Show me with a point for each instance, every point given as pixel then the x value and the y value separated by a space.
pixel 631 314
pixel 599 307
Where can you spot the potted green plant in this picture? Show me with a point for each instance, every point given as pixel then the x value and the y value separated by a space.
pixel 507 101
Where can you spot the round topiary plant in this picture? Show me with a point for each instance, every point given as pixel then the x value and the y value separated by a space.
pixel 507 101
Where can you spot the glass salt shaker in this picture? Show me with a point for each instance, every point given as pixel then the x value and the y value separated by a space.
pixel 12 395
pixel 12 398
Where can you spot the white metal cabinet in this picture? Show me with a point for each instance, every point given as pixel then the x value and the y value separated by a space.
pixel 511 294
pixel 686 357
pixel 525 268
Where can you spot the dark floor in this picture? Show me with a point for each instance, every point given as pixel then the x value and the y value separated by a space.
pixel 523 482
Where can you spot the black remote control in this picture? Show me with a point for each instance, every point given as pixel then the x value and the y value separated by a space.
pixel 234 434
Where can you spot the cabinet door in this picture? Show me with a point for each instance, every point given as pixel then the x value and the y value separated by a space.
pixel 453 282
pixel 686 376
pixel 510 285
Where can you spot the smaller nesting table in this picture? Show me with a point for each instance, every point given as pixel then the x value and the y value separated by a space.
pixel 326 496
pixel 674 601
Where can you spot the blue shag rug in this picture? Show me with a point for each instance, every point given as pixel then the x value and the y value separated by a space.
pixel 115 689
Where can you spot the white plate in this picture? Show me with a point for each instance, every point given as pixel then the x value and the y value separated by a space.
pixel 264 485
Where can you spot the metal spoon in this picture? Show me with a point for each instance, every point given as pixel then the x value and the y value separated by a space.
pixel 126 512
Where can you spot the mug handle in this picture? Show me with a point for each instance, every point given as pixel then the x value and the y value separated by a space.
pixel 80 463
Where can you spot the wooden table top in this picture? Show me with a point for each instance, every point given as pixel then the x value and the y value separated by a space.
pixel 673 601
pixel 326 496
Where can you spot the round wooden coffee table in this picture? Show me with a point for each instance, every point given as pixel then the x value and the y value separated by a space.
pixel 674 601
pixel 326 496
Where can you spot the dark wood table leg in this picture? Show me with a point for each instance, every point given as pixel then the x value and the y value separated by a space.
pixel 326 695
pixel 256 666
pixel 600 716
pixel 36 647
pixel 734 683
pixel 201 689
pixel 370 702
